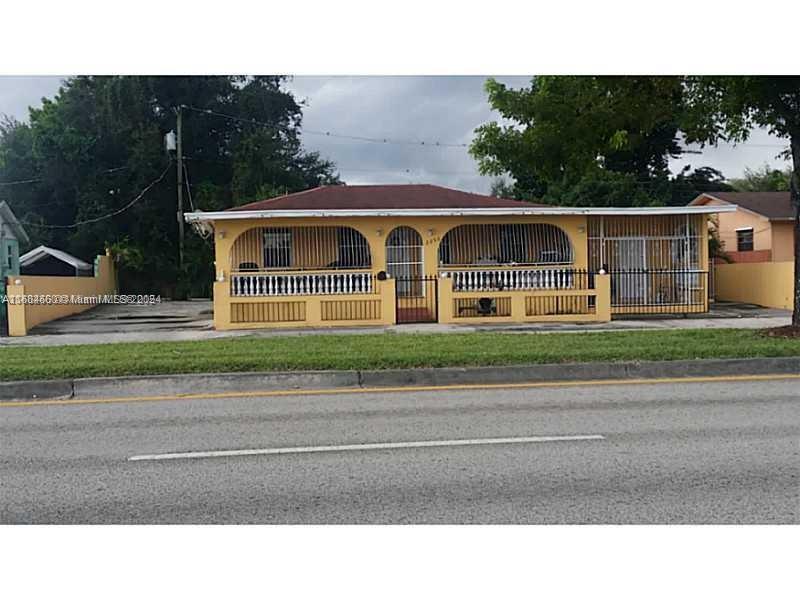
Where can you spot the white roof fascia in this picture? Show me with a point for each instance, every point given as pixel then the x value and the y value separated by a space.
pixel 234 215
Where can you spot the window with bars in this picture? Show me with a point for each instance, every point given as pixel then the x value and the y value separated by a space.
pixel 499 244
pixel 300 248
pixel 277 248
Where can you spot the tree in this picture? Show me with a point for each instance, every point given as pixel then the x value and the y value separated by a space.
pixel 99 142
pixel 728 108
pixel 765 179
pixel 501 188
pixel 687 184
pixel 598 141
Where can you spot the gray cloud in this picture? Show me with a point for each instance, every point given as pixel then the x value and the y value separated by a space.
pixel 443 108
pixel 18 93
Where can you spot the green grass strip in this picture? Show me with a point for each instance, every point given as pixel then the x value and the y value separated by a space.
pixel 382 351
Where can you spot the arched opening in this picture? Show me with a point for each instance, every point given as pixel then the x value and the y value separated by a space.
pixel 300 249
pixel 404 260
pixel 505 244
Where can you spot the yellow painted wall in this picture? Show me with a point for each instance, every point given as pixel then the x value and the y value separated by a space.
pixel 602 313
pixel 729 222
pixel 782 241
pixel 766 284
pixel 312 310
pixel 23 317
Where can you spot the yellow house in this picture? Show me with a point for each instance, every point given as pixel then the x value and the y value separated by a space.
pixel 760 229
pixel 385 254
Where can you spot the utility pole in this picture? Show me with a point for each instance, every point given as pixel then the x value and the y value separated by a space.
pixel 180 186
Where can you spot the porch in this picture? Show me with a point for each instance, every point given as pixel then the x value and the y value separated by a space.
pixel 382 271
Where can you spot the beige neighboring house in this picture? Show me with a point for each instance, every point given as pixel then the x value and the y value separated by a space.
pixel 760 230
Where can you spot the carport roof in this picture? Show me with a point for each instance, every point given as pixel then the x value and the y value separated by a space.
pixel 41 252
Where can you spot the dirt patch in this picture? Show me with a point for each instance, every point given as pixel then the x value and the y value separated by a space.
pixel 783 332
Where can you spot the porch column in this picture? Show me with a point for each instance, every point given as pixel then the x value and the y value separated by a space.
pixel 224 236
pixel 377 245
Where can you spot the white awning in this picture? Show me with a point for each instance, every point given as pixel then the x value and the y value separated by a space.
pixel 41 252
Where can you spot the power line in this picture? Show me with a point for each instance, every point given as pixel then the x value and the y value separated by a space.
pixel 357 138
pixel 21 181
pixel 38 179
pixel 109 215
pixel 387 140
pixel 188 186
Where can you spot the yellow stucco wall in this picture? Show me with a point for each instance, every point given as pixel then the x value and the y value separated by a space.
pixel 766 284
pixel 24 316
pixel 517 300
pixel 782 241
pixel 775 236
pixel 729 222
pixel 309 306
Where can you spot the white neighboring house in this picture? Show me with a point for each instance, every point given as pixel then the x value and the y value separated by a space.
pixel 50 261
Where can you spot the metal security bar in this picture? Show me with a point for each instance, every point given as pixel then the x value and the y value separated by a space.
pixel 477 280
pixel 404 260
pixel 300 284
pixel 300 249
pixel 645 242
pixel 659 291
pixel 421 306
pixel 505 244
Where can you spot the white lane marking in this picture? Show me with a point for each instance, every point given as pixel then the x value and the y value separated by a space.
pixel 361 447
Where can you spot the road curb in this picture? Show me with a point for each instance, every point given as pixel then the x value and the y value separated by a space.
pixel 210 383
pixel 35 390
pixel 580 372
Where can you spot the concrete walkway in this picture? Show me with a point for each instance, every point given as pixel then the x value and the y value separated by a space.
pixel 191 320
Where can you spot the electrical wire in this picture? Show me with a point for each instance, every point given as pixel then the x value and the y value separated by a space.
pixel 38 179
pixel 109 215
pixel 188 185
pixel 358 138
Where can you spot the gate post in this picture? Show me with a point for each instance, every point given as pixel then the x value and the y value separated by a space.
pixel 602 285
pixel 388 301
pixel 445 300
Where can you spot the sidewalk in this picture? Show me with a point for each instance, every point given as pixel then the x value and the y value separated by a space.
pixel 107 330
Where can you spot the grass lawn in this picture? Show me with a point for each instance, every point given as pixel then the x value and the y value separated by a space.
pixel 383 351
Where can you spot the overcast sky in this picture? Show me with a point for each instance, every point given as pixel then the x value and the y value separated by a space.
pixel 444 109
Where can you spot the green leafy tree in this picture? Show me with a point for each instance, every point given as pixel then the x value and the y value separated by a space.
pixel 728 108
pixel 99 142
pixel 688 184
pixel 566 137
pixel 765 179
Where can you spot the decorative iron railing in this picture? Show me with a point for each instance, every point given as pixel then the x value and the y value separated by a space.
pixel 661 290
pixel 477 280
pixel 300 284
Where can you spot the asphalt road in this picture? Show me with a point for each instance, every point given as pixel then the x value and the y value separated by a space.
pixel 722 452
